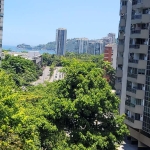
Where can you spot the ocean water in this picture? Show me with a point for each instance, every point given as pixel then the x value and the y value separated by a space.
pixel 15 49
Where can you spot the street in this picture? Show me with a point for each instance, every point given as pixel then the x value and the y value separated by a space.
pixel 126 145
pixel 44 77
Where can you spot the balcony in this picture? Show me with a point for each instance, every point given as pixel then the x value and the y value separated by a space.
pixel 1 14
pixel 120 47
pixel 121 36
pixel 132 75
pixel 143 49
pixel 133 61
pixel 123 9
pixel 128 103
pixel 118 85
pixel 134 108
pixel 143 33
pixel 133 90
pixel 136 78
pixel 140 18
pixel 137 124
pixel 119 73
pixel 122 22
pixel 140 64
pixel 135 93
pixel 119 60
pixel 141 4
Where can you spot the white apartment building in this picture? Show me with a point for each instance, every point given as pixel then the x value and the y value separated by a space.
pixel 133 69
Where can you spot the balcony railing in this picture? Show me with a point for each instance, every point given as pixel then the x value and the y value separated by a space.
pixel 135 46
pixel 132 75
pixel 1 14
pixel 136 16
pixel 128 103
pixel 121 30
pixel 118 93
pixel 130 119
pixel 133 61
pixel 135 31
pixel 135 2
pixel 133 90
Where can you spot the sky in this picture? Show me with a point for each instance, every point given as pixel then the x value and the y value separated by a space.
pixel 35 21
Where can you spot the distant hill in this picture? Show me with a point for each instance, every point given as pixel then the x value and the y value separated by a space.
pixel 49 46
pixel 24 46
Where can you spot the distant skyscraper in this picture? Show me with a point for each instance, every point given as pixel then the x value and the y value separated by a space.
pixel 1 26
pixel 112 36
pixel 99 47
pixel 81 45
pixel 95 47
pixel 61 37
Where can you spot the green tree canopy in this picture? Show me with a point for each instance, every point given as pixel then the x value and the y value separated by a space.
pixel 22 70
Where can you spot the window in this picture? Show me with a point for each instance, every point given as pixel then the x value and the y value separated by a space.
pixel 141 71
pixel 138 102
pixel 123 3
pixel 137 116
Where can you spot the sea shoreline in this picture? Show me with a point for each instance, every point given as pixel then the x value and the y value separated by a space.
pixel 15 49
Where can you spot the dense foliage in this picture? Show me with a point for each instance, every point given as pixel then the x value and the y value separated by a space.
pixel 109 72
pixel 78 112
pixel 22 70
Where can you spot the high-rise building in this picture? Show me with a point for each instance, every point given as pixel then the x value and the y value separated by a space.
pixel 83 46
pixel 95 47
pixel 61 37
pixel 1 26
pixel 112 37
pixel 133 68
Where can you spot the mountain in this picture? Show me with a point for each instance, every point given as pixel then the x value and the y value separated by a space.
pixel 49 46
pixel 24 46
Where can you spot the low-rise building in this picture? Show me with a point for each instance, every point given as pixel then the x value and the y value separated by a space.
pixel 110 54
pixel 34 56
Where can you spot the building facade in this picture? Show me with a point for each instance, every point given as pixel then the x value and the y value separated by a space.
pixel 95 47
pixel 112 37
pixel 133 68
pixel 61 37
pixel 110 54
pixel 1 26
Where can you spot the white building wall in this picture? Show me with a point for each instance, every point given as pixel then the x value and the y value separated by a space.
pixel 125 57
pixel 114 56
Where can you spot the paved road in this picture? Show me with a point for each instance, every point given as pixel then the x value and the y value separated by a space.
pixel 57 75
pixel 127 146
pixel 44 77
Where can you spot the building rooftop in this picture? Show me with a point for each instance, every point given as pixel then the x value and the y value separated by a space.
pixel 61 29
pixel 110 45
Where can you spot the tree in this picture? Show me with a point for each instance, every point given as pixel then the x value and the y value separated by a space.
pixel 23 123
pixel 22 70
pixel 88 109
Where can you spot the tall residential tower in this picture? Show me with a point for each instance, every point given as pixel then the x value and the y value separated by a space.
pixel 1 26
pixel 133 68
pixel 61 37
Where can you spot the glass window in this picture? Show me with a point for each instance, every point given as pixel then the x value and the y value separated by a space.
pixel 138 102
